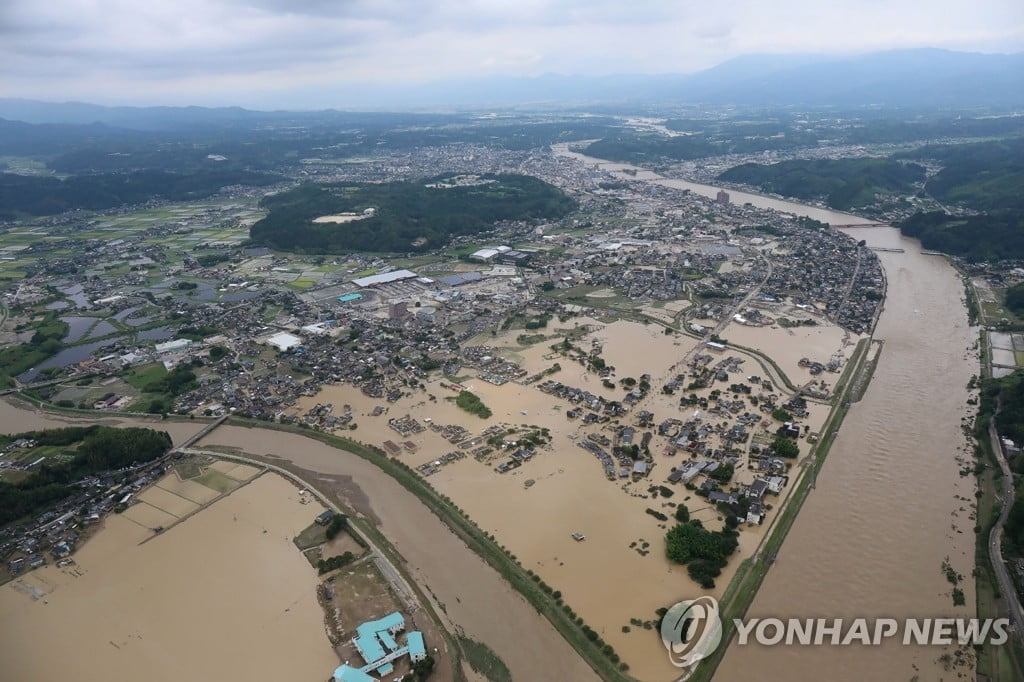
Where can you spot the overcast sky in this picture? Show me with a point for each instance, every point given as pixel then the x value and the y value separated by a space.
pixel 308 53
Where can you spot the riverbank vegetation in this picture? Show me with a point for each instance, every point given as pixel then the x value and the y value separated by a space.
pixel 1008 393
pixel 484 660
pixel 1002 662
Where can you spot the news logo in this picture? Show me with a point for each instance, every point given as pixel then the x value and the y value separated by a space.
pixel 691 630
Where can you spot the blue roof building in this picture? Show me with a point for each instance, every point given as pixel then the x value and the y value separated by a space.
pixel 377 643
pixel 417 651
pixel 375 639
pixel 345 673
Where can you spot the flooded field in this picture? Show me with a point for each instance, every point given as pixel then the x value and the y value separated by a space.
pixel 787 347
pixel 474 596
pixel 225 595
pixel 469 589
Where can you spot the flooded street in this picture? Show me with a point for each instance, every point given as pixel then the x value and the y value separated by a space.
pixel 890 504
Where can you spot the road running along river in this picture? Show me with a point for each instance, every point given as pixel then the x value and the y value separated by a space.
pixel 890 504
pixel 474 597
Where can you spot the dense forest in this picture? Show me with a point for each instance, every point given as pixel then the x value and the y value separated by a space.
pixel 35 195
pixel 652 148
pixel 842 183
pixel 983 237
pixel 409 216
pixel 986 177
pixel 99 449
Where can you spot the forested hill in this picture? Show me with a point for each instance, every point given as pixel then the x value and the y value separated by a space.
pixel 407 216
pixel 843 184
pixel 35 195
pixel 986 178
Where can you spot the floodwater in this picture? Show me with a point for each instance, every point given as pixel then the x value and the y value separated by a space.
pixel 76 294
pixel 155 334
pixel 474 596
pixel 225 595
pixel 787 347
pixel 620 572
pixel 77 327
pixel 18 417
pixel 69 356
pixel 890 504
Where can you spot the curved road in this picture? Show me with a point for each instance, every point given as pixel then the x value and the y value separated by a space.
pixel 995 538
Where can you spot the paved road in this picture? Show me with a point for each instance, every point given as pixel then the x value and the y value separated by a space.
pixel 995 539
pixel 849 287
pixel 726 319
pixel 387 569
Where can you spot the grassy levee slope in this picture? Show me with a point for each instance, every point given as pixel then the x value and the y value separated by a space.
pixel 539 595
pixel 751 572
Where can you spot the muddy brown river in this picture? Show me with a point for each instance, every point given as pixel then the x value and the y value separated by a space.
pixel 890 504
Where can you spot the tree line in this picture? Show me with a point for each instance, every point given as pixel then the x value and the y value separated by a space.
pixel 99 449
pixel 37 195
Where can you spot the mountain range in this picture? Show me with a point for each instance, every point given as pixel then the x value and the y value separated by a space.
pixel 916 78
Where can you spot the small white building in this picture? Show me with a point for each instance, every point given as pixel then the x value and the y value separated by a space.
pixel 283 341
pixel 173 346
pixel 318 329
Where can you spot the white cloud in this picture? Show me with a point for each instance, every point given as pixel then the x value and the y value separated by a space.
pixel 226 51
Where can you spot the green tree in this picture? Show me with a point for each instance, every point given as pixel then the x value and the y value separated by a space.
pixel 784 447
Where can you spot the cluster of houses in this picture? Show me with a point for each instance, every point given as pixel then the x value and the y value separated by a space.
pixel 585 400
pixel 492 367
pixel 57 532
